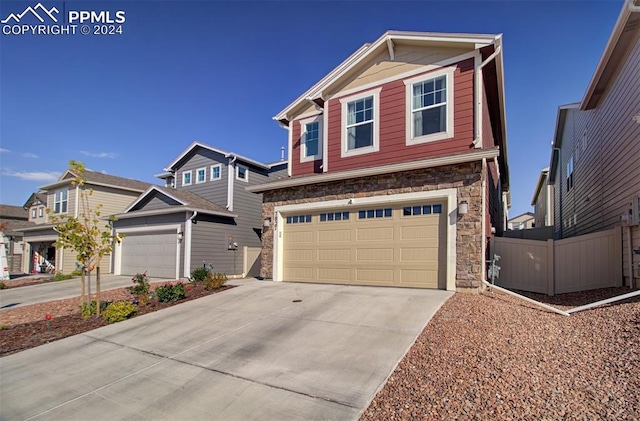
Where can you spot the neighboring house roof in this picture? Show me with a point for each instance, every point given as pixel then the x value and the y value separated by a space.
pixel 13 227
pixel 100 179
pixel 188 202
pixel 13 212
pixel 522 217
pixel 473 155
pixel 561 117
pixel 623 34
pixel 226 154
pixel 542 180
pixel 34 199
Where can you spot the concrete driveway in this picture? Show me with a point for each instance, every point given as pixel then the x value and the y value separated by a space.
pixel 57 290
pixel 251 353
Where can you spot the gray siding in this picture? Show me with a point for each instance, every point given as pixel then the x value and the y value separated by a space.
pixel 606 148
pixel 157 201
pixel 214 191
pixel 248 207
pixel 210 244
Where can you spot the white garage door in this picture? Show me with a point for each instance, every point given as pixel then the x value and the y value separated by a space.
pixel 391 245
pixel 151 252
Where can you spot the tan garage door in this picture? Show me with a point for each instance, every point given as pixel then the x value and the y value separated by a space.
pixel 400 245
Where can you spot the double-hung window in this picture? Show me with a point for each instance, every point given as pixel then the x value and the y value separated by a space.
pixel 186 178
pixel 242 173
pixel 311 139
pixel 60 201
pixel 430 107
pixel 216 172
pixel 201 175
pixel 360 116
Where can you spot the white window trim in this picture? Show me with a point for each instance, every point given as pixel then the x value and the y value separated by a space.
pixel 303 138
pixel 246 180
pixel 448 133
pixel 184 173
pixel 55 201
pixel 204 179
pixel 344 152
pixel 40 212
pixel 219 172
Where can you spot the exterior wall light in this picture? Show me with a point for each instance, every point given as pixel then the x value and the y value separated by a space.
pixel 180 236
pixel 463 208
pixel 267 222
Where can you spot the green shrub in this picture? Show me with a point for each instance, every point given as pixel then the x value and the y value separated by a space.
pixel 61 277
pixel 171 292
pixel 89 310
pixel 76 273
pixel 141 286
pixel 214 281
pixel 199 274
pixel 119 311
pixel 3 285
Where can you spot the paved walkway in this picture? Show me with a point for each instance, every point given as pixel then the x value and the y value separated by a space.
pixel 261 351
pixel 57 290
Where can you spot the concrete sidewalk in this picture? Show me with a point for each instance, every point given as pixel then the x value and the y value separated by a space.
pixel 250 353
pixel 57 290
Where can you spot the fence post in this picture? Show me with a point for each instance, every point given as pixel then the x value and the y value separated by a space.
pixel 551 269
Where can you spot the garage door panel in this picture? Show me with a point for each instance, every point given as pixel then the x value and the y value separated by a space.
pixel 394 249
pixel 151 252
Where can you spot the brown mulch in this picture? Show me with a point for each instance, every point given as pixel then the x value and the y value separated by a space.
pixel 487 356
pixel 26 327
pixel 24 281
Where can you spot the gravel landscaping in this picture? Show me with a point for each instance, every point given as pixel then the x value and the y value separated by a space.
pixel 496 357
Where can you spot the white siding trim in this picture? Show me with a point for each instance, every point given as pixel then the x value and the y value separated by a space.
pixel 188 232
pixel 289 148
pixel 231 168
pixel 449 195
pixel 325 137
pixel 117 270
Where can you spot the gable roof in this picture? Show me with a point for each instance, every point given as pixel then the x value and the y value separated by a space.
pixel 100 179
pixel 527 216
pixel 561 117
pixel 226 154
pixel 623 34
pixel 188 202
pixel 14 227
pixel 35 197
pixel 542 179
pixel 13 212
pixel 474 41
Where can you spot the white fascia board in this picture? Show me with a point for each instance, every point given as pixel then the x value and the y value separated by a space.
pixel 475 155
pixel 478 40
pixel 220 151
pixel 40 227
pixel 171 210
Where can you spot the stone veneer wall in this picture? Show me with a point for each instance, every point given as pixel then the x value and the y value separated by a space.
pixel 465 177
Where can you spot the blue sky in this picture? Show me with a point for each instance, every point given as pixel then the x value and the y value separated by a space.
pixel 128 104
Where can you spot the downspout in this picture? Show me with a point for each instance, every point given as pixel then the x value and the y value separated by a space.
pixel 483 225
pixel 478 120
pixel 230 182
pixel 187 243
pixel 630 249
pixel 77 200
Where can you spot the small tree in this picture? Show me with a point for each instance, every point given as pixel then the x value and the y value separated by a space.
pixel 84 235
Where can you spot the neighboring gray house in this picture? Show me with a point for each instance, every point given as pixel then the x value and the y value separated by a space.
pixel 203 215
pixel 521 222
pixel 542 201
pixel 595 163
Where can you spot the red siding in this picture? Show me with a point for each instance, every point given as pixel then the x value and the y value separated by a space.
pixel 487 132
pixel 297 167
pixel 393 146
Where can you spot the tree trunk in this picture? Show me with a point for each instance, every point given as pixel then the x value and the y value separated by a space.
pixel 98 289
pixel 82 291
pixel 89 286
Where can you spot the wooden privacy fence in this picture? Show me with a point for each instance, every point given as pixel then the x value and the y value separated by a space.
pixel 251 263
pixel 554 267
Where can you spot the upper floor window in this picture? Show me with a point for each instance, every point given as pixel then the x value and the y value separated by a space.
pixel 310 139
pixel 242 173
pixel 430 107
pixel 40 212
pixel 60 201
pixel 360 116
pixel 570 174
pixel 186 178
pixel 33 213
pixel 216 172
pixel 201 175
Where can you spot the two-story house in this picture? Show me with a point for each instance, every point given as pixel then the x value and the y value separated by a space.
pixel 542 201
pixel 398 168
pixel 62 198
pixel 12 220
pixel 595 160
pixel 203 215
